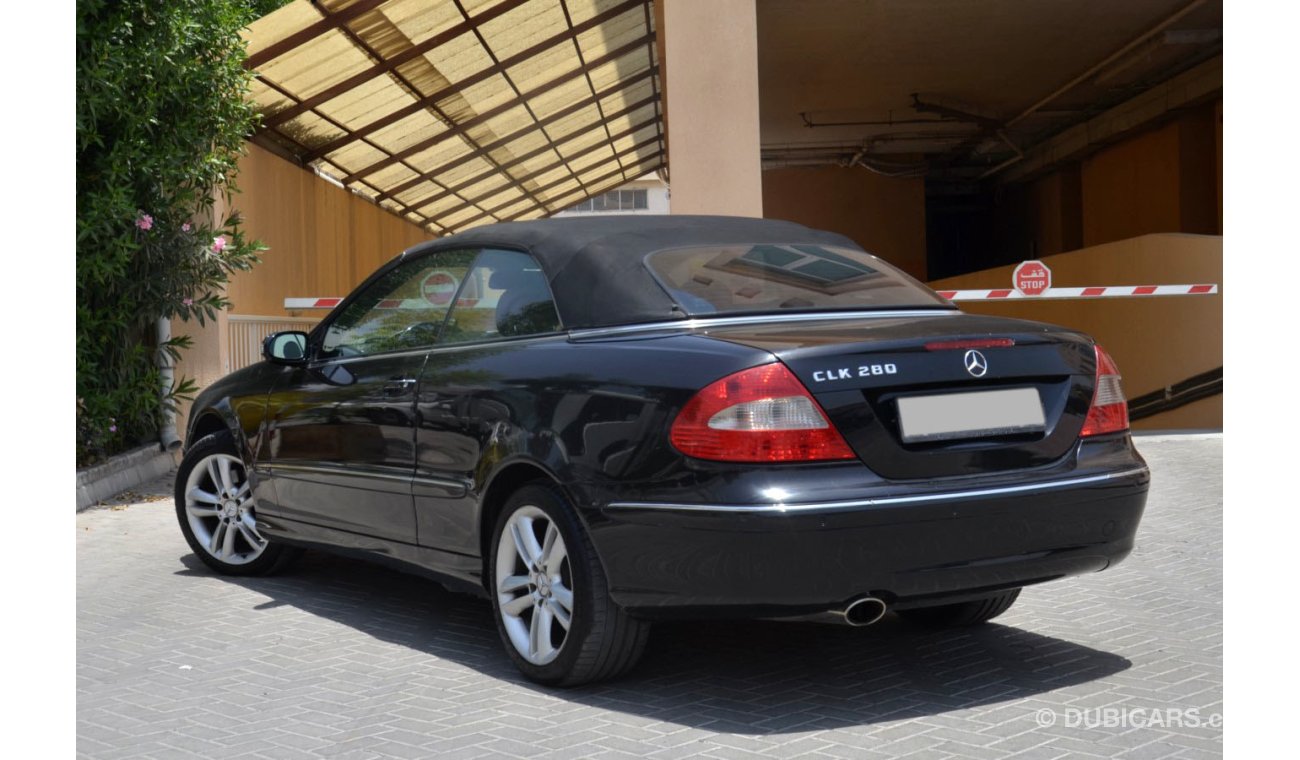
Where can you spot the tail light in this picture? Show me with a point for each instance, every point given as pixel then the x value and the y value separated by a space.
pixel 1109 410
pixel 762 414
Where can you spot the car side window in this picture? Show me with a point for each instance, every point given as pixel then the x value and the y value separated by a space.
pixel 505 295
pixel 403 309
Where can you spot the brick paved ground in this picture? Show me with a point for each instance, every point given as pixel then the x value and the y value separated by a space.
pixel 341 659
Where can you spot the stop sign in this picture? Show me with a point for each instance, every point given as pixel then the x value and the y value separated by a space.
pixel 438 288
pixel 1032 278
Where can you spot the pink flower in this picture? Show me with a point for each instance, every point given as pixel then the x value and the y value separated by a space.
pixel 185 227
pixel 218 244
pixel 188 301
pixel 144 222
pixel 112 428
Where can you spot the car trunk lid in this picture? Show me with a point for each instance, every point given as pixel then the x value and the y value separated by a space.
pixel 939 396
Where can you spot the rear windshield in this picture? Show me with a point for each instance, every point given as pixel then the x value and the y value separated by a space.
pixel 736 279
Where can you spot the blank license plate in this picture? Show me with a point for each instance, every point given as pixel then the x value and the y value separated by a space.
pixel 970 415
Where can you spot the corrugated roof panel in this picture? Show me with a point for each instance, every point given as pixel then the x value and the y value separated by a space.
pixel 440 206
pixel 582 141
pixel 460 58
pixel 622 29
pixel 464 171
pixel 477 99
pixel 518 207
pixel 559 98
pixel 636 138
pixel 498 202
pixel 586 161
pixel 558 173
pixel 583 120
pixel 581 10
pixel 268 100
pixel 357 155
pixel 390 176
pixel 621 124
pixel 300 71
pixel 356 107
pixel 594 174
pixel 279 25
pixel 550 64
pixel 419 19
pixel 610 73
pixel 456 217
pixel 527 143
pixel 627 96
pixel 508 122
pixel 486 187
pixel 523 27
pixel 310 130
pixel 401 135
pixel 357 118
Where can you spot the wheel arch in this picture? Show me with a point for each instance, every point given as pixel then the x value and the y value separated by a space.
pixel 217 418
pixel 207 423
pixel 504 482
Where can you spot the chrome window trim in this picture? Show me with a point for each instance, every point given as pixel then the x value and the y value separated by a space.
pixel 698 323
pixel 442 348
pixel 884 501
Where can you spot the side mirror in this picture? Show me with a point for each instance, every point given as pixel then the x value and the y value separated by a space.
pixel 288 347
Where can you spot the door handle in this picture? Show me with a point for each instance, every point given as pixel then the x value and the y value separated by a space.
pixel 398 385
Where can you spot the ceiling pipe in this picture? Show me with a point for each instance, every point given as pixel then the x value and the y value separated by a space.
pixel 1058 92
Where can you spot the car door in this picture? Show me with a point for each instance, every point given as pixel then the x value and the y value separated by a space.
pixel 341 443
pixel 474 385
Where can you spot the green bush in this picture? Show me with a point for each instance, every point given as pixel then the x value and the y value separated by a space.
pixel 162 116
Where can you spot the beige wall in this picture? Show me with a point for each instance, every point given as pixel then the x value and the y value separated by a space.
pixel 710 71
pixel 885 216
pixel 1156 341
pixel 1164 179
pixel 323 239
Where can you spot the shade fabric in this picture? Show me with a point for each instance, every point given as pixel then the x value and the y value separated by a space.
pixel 458 113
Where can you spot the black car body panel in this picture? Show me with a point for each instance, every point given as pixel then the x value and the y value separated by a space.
pixel 402 456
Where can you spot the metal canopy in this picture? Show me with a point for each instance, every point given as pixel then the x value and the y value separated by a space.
pixel 457 113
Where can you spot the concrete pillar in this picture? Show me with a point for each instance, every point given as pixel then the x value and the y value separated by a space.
pixel 709 56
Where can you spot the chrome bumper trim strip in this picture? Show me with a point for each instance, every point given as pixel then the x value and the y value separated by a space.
pixel 884 501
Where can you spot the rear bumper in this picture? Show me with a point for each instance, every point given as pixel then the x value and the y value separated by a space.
pixel 924 545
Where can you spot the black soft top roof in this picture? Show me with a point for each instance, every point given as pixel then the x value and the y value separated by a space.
pixel 595 264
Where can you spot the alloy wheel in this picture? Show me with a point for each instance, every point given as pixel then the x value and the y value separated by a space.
pixel 534 585
pixel 221 512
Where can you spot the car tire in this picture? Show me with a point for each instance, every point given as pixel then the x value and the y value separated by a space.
pixel 217 511
pixel 556 576
pixel 973 612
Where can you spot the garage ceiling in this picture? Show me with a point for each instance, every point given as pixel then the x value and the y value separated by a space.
pixel 975 68
pixel 464 112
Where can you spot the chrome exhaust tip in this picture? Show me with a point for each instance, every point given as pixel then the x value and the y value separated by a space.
pixel 863 611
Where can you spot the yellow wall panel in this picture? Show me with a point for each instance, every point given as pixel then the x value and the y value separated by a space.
pixel 885 216
pixel 1156 341
pixel 323 240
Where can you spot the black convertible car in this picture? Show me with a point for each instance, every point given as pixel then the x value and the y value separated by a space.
pixel 597 422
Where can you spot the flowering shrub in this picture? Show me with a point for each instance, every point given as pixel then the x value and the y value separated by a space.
pixel 161 121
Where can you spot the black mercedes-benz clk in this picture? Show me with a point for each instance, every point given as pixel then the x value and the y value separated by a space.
pixel 600 422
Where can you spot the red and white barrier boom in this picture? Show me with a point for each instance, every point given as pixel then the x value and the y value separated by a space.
pixel 1033 280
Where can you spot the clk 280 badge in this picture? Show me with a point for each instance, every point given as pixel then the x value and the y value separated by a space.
pixel 848 373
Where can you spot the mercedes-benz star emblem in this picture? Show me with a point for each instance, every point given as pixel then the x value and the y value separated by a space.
pixel 976 364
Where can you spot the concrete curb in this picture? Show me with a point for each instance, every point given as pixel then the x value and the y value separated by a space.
pixel 124 471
